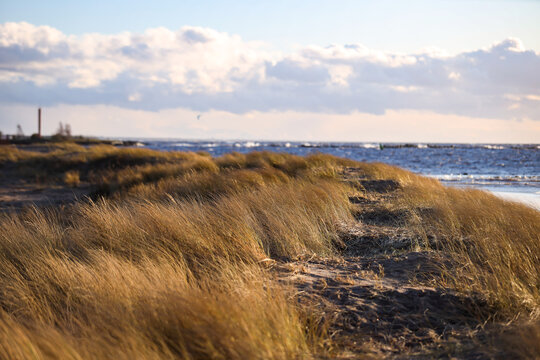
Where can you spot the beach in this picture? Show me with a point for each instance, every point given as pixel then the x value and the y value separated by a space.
pixel 530 199
pixel 262 254
pixel 270 180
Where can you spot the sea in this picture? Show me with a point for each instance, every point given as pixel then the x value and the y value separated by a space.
pixel 511 171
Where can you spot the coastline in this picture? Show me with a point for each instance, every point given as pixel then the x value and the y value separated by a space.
pixel 314 256
pixel 527 198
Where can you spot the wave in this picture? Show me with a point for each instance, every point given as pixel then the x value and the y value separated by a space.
pixel 316 144
pixel 210 145
pixel 247 144
pixel 489 179
pixel 183 145
pixel 483 165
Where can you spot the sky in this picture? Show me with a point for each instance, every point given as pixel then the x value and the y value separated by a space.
pixel 429 71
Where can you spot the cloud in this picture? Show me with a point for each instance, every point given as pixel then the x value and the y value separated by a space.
pixel 202 69
pixel 295 71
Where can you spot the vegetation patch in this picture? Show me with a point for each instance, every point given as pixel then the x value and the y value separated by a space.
pixel 260 255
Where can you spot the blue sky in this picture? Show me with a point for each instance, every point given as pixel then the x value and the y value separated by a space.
pixel 453 25
pixel 383 70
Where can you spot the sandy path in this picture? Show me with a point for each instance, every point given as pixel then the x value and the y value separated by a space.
pixel 380 297
pixel 379 306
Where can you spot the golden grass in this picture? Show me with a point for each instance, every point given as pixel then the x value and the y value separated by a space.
pixel 207 185
pixel 226 171
pixel 72 178
pixel 113 169
pixel 110 181
pixel 167 276
pixel 112 308
pixel 495 242
pixel 169 265
pixel 493 245
pixel 11 153
pixel 55 159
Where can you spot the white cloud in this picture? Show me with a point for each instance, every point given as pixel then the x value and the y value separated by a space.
pixel 202 69
pixel 191 59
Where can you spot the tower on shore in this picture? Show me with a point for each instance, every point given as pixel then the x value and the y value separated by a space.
pixel 39 122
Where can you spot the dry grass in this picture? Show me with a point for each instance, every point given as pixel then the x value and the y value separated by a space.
pixel 208 185
pixel 112 308
pixel 169 264
pixel 496 242
pixel 113 169
pixel 171 270
pixel 493 246
pixel 53 160
pixel 110 181
pixel 520 340
pixel 72 178
pixel 11 153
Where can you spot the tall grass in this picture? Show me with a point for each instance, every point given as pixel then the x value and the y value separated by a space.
pixel 166 277
pixel 92 162
pixel 207 185
pixel 496 242
pixel 108 308
pixel 112 169
pixel 493 246
pixel 168 265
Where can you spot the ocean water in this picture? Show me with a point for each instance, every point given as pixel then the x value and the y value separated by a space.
pixel 511 170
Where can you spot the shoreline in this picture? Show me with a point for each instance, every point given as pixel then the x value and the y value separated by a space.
pixel 314 256
pixel 530 199
pixel 529 196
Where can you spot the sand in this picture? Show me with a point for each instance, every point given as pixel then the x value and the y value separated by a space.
pixel 530 199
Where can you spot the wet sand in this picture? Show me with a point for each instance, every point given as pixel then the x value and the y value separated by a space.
pixel 530 199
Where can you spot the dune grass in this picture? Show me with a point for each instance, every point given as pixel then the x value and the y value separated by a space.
pixel 173 269
pixel 493 246
pixel 171 262
pixel 496 242
pixel 112 308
